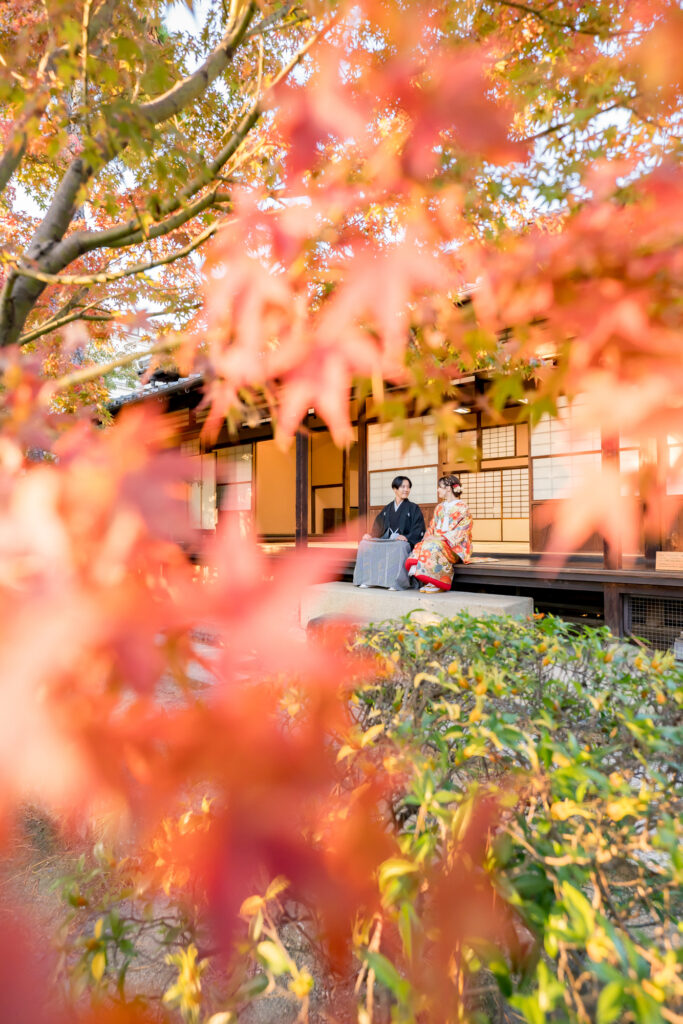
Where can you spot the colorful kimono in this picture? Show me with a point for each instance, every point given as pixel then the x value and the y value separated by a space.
pixel 448 539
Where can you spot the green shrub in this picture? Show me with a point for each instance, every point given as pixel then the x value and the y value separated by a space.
pixel 530 768
pixel 578 740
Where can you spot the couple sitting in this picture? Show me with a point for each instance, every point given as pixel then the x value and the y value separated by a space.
pixel 399 547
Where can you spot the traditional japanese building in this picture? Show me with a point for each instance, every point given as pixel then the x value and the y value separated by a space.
pixel 513 483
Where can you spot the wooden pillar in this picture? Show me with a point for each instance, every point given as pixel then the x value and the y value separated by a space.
pixel 345 485
pixel 362 468
pixel 611 549
pixel 613 611
pixel 478 392
pixel 302 488
pixel 655 456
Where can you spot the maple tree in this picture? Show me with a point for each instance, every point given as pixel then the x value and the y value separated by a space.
pixel 381 192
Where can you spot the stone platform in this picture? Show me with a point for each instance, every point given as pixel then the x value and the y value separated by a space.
pixel 355 604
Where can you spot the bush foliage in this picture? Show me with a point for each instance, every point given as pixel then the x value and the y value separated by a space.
pixel 534 808
pixel 577 741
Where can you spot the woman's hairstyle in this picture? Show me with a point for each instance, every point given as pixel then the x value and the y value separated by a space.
pixel 398 480
pixel 452 481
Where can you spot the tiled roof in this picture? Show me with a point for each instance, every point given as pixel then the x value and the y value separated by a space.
pixel 156 389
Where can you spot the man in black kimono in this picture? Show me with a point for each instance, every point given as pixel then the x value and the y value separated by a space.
pixel 383 565
pixel 401 519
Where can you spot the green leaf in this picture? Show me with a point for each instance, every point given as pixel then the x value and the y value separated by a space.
pixel 405 929
pixel 387 975
pixel 528 1005
pixel 273 957
pixel 579 909
pixel 647 1009
pixel 252 987
pixel 610 1003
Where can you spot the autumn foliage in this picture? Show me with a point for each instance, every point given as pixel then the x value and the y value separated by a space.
pixel 381 192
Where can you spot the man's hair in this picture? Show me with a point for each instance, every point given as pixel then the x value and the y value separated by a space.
pixel 398 480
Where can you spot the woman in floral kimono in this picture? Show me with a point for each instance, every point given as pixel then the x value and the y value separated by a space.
pixel 448 540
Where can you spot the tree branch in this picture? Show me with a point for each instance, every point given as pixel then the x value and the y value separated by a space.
pixel 100 369
pixel 117 275
pixel 40 93
pixel 12 157
pixel 195 85
pixel 22 290
pixel 131 233
pixel 568 124
pixel 49 251
pixel 85 38
pixel 54 325
pixel 570 26
pixel 273 19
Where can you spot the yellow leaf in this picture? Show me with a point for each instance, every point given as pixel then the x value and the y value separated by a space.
pixel 99 962
pixel 395 867
pixel 345 751
pixel 618 809
pixel 372 733
pixel 97 930
pixel 563 809
pixel 653 990
pixel 423 677
pixel 301 985
pixel 277 886
pixel 599 947
pixel 251 906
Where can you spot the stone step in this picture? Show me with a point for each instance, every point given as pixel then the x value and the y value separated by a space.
pixel 357 604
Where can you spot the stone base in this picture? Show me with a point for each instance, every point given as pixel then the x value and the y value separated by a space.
pixel 357 604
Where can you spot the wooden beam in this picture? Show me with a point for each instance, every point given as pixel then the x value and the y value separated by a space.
pixel 302 488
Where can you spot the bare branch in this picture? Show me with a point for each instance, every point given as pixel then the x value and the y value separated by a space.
pixel 568 124
pixel 568 25
pixel 131 233
pixel 12 157
pixel 49 252
pixel 272 20
pixel 100 369
pixel 195 85
pixel 108 278
pixel 40 89
pixel 54 324
pixel 21 291
pixel 85 30
pixel 301 52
